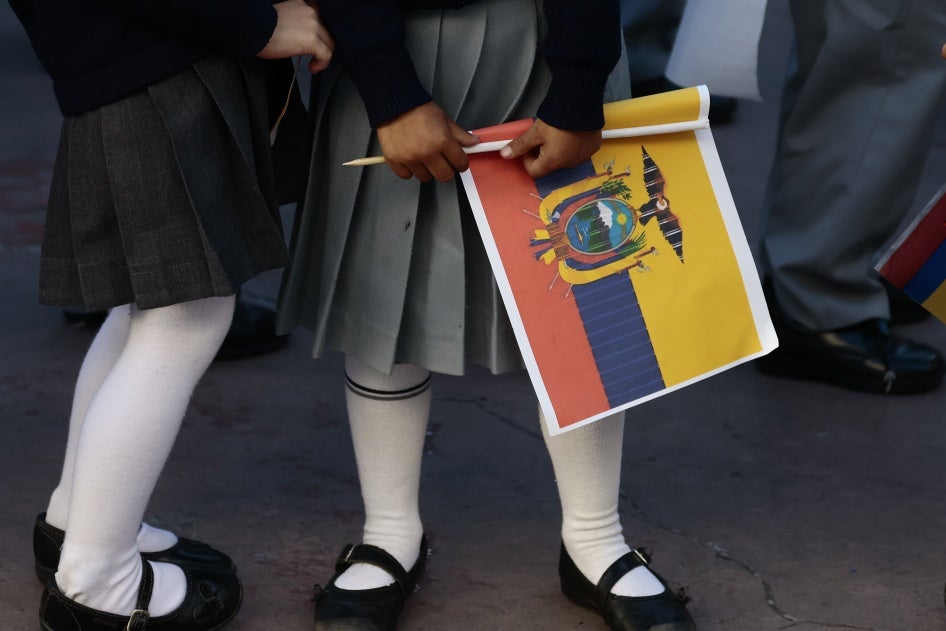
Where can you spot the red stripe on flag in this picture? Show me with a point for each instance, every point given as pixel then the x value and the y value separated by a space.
pixel 918 247
pixel 552 322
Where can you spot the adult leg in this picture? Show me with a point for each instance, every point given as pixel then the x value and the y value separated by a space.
pixel 854 136
pixel 865 91
pixel 650 27
pixel 128 432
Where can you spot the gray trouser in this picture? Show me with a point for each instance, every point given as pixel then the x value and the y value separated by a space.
pixel 860 106
pixel 649 29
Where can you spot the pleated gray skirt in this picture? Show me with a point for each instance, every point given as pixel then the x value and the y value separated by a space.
pixel 394 271
pixel 164 196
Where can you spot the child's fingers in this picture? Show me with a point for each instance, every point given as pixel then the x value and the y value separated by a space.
pixel 522 145
pixel 321 54
pixel 538 166
pixel 420 171
pixel 454 152
pixel 317 65
pixel 401 170
pixel 441 168
pixel 462 136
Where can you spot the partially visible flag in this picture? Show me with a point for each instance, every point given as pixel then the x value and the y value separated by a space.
pixel 916 262
pixel 616 293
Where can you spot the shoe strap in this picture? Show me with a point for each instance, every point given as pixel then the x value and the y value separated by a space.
pixel 633 559
pixel 373 555
pixel 138 620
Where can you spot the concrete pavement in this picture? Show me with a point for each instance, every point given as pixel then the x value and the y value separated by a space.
pixel 777 504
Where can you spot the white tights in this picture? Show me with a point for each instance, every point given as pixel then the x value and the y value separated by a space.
pixel 131 396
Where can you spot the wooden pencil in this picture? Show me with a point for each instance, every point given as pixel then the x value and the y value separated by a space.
pixel 606 134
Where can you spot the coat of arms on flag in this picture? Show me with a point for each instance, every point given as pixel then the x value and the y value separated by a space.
pixel 627 276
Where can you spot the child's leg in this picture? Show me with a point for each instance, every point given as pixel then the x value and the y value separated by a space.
pixel 127 435
pixel 99 360
pixel 108 344
pixel 587 463
pixel 388 416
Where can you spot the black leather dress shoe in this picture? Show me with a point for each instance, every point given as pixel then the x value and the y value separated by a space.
pixel 82 318
pixel 865 357
pixel 665 611
pixel 47 542
pixel 375 609
pixel 252 332
pixel 211 600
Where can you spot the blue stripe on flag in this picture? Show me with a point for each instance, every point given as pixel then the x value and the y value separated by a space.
pixel 619 338
pixel 929 277
pixel 564 177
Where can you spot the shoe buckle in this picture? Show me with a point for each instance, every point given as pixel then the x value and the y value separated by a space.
pixel 138 620
pixel 642 556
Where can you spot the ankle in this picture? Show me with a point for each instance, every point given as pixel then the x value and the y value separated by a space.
pixel 593 560
pixel 102 582
pixel 403 543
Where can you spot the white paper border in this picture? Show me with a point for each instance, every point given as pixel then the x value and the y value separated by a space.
pixel 740 247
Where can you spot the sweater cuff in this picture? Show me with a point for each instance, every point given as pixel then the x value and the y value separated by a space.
pixel 259 24
pixel 387 82
pixel 575 98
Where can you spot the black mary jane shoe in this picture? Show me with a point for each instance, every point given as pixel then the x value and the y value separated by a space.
pixel 211 600
pixel 866 356
pixel 47 544
pixel 665 611
pixel 375 609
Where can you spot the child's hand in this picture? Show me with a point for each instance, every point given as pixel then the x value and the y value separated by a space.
pixel 299 32
pixel 425 143
pixel 944 51
pixel 544 148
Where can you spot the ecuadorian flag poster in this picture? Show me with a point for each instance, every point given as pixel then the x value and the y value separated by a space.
pixel 628 276
pixel 916 262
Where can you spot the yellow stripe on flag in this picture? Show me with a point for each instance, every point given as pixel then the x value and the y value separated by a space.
pixel 936 303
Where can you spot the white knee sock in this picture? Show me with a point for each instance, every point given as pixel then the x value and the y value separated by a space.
pixel 108 344
pixel 587 463
pixel 127 434
pixel 388 416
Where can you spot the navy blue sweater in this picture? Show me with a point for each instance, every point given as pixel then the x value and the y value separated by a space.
pixel 582 46
pixel 98 51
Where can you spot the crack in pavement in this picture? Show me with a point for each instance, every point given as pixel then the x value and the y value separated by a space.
pixel 720 552
pixel 505 420
pixel 724 555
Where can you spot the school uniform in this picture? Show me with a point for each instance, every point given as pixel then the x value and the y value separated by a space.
pixel 162 188
pixel 394 271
